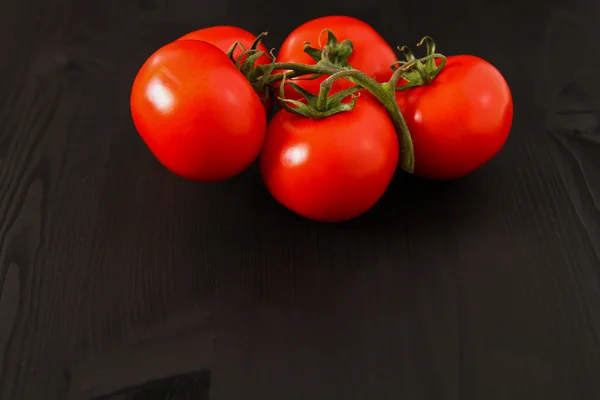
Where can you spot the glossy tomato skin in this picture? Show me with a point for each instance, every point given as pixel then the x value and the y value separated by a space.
pixel 333 169
pixel 223 37
pixel 460 120
pixel 196 112
pixel 371 54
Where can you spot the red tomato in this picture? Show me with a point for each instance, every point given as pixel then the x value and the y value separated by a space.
pixel 196 112
pixel 332 169
pixel 460 120
pixel 224 37
pixel 371 53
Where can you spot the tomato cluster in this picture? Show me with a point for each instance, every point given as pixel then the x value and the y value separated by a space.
pixel 201 103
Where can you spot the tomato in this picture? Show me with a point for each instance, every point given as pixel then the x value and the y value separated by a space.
pixel 224 37
pixel 371 53
pixel 460 120
pixel 196 112
pixel 332 169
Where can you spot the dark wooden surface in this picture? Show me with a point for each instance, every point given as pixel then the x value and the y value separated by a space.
pixel 120 281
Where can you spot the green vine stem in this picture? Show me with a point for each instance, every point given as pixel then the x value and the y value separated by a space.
pixel 385 93
pixel 333 63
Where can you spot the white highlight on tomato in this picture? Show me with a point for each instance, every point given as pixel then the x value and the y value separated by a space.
pixel 418 117
pixel 160 95
pixel 295 155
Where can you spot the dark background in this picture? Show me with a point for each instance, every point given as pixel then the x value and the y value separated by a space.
pixel 119 280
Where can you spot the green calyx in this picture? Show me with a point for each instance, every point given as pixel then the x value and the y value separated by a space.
pixel 246 64
pixel 248 57
pixel 332 60
pixel 418 72
pixel 321 105
pixel 335 52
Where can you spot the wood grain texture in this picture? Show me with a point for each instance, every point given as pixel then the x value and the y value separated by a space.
pixel 118 280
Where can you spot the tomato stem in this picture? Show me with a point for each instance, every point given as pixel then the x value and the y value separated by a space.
pixel 332 60
pixel 293 70
pixel 385 93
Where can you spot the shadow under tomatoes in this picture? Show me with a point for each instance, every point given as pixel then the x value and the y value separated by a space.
pixel 417 205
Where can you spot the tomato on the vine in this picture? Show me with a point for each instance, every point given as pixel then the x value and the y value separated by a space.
pixel 224 36
pixel 331 169
pixel 371 53
pixel 196 112
pixel 459 121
